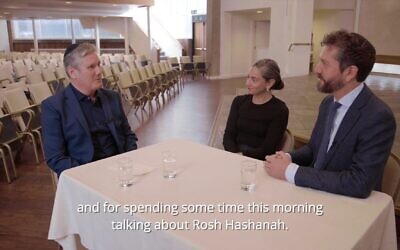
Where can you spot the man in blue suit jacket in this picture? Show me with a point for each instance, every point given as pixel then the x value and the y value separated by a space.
pixel 360 134
pixel 84 122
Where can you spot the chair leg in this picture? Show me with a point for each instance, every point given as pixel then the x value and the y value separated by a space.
pixel 34 146
pixel 11 159
pixel 5 165
pixel 39 136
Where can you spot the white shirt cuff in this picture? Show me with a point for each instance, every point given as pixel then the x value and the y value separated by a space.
pixel 291 172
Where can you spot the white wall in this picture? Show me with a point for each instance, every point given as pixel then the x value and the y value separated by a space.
pixel 138 40
pixel 382 30
pixel 241 53
pixel 336 5
pixel 261 36
pixel 284 29
pixel 326 21
pixel 113 24
pixel 4 43
pixel 299 30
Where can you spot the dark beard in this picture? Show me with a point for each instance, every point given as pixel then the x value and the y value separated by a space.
pixel 328 87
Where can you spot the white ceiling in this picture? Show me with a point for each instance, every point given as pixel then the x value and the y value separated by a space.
pixel 13 9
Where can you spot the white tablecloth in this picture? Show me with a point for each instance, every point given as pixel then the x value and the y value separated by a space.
pixel 211 177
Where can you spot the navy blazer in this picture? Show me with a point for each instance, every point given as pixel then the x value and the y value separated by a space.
pixel 356 160
pixel 66 135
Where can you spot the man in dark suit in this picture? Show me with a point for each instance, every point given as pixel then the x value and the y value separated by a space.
pixel 84 123
pixel 354 131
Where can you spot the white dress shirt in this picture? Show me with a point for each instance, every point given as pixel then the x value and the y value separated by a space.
pixel 345 102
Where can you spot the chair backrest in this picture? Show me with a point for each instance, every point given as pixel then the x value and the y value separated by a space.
pixel 287 142
pixel 198 59
pixel 115 68
pixel 107 71
pixel 143 73
pixel 37 67
pixel 5 76
pixel 16 100
pixel 391 177
pixel 39 92
pixel 131 65
pixel 146 72
pixel 173 60
pixel 135 76
pixel 9 131
pixel 126 86
pixel 157 68
pixel 185 59
pixel 48 75
pixel 51 66
pixel 7 65
pixel 122 66
pixel 34 77
pixel 20 70
pixel 62 75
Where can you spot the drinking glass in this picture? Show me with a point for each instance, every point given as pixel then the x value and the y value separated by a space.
pixel 248 175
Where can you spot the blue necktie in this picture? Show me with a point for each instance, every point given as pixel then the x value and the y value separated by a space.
pixel 323 148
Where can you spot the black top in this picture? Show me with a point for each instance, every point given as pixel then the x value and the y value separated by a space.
pixel 103 142
pixel 256 128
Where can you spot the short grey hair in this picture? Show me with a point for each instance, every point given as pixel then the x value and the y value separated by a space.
pixel 75 52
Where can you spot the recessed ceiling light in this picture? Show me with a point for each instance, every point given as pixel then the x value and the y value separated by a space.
pixel 68 2
pixel 6 13
pixel 115 5
pixel 260 11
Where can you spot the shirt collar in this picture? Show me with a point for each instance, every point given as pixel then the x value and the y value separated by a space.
pixel 349 98
pixel 80 96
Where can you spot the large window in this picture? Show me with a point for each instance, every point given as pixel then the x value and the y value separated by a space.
pixel 53 29
pixel 22 29
pixel 81 32
pixel 105 34
pixel 58 29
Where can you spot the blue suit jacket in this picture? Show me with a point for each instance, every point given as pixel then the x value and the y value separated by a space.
pixel 356 160
pixel 66 135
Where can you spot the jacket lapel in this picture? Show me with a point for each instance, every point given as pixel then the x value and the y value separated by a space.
pixel 349 121
pixel 76 108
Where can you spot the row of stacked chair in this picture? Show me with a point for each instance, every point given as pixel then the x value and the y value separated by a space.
pixel 187 66
pixel 20 121
pixel 26 79
pixel 140 85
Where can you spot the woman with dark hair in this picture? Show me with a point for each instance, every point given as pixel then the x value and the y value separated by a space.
pixel 258 120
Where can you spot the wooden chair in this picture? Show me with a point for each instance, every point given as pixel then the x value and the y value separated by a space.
pixel 34 77
pixel 51 79
pixel 200 65
pixel 29 121
pixel 287 142
pixel 129 91
pixel 187 66
pixel 391 177
pixel 39 92
pixel 10 140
